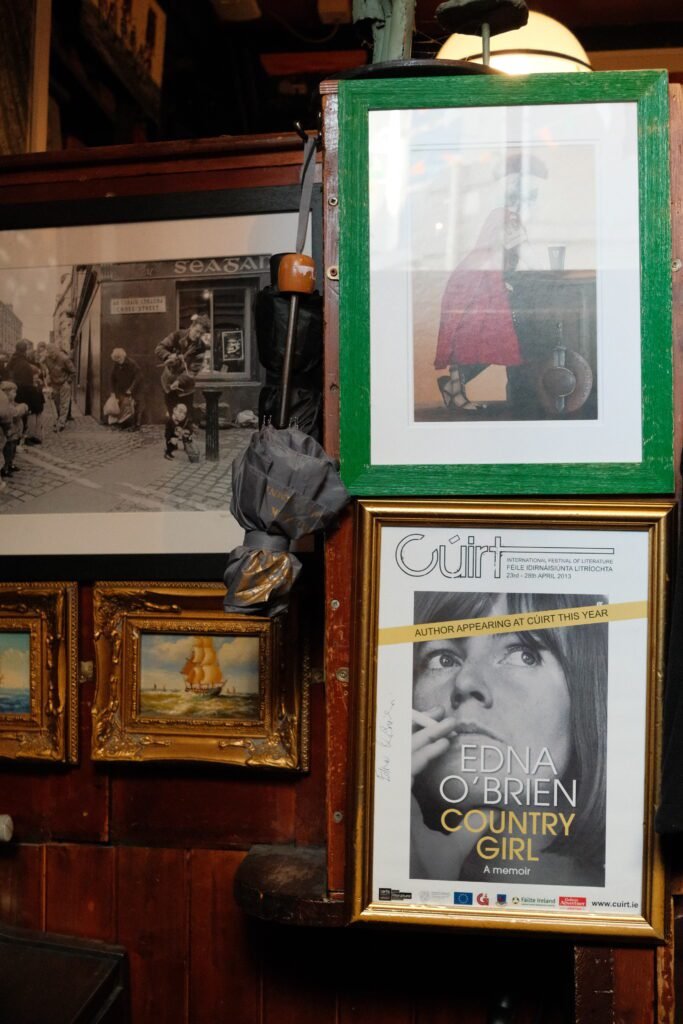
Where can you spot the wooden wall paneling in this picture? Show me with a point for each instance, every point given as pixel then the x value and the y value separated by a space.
pixel 338 548
pixel 166 168
pixel 224 945
pixel 635 973
pixel 307 618
pixel 301 971
pixel 22 886
pixel 54 802
pixel 152 923
pixel 151 185
pixel 666 999
pixel 593 985
pixel 389 970
pixel 494 980
pixel 80 891
pixel 192 806
pixel 614 985
pixel 309 825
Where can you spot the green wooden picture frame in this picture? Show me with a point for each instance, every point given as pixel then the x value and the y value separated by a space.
pixel 600 415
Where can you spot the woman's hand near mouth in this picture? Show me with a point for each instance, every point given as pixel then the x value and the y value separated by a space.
pixel 431 736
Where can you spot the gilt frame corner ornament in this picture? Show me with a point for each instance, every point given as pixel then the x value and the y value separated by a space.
pixel 39 671
pixel 179 679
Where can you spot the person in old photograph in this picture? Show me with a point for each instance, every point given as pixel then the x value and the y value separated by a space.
pixel 177 384
pixel 25 373
pixel 179 433
pixel 60 372
pixel 128 385
pixel 191 343
pixel 529 706
pixel 12 425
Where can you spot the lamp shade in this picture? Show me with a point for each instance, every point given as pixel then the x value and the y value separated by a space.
pixel 542 45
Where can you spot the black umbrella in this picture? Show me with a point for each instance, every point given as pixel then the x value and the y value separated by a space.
pixel 284 486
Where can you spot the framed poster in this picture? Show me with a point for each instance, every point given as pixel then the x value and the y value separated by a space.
pixel 96 294
pixel 178 679
pixel 507 663
pixel 504 273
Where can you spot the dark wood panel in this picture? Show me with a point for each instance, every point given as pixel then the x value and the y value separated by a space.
pixel 593 985
pixel 635 972
pixel 310 789
pixel 224 955
pixel 51 803
pixel 338 547
pixel 22 886
pixel 387 975
pixel 152 924
pixel 301 970
pixel 191 806
pixel 338 602
pixel 80 887
pixel 151 185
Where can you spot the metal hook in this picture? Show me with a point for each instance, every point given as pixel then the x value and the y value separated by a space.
pixel 304 136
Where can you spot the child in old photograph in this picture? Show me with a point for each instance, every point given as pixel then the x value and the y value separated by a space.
pixel 179 433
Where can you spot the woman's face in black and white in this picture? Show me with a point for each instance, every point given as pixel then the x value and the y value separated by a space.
pixel 503 690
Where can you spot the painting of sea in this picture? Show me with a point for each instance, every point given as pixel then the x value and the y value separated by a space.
pixel 15 673
pixel 199 676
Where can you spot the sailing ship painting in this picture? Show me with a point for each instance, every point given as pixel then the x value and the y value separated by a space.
pixel 15 674
pixel 199 676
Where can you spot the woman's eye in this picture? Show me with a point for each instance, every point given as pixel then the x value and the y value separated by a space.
pixel 441 659
pixel 522 656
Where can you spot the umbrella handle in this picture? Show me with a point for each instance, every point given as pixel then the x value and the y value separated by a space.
pixel 296 275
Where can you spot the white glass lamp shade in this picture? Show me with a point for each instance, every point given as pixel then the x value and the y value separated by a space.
pixel 542 45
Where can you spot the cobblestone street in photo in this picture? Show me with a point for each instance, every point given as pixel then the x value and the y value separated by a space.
pixel 93 468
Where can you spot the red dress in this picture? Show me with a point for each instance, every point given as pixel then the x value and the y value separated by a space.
pixel 476 321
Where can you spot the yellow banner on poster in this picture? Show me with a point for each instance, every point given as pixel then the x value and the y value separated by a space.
pixel 553 618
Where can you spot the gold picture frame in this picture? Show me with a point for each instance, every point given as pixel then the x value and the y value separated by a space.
pixel 508 666
pixel 38 671
pixel 179 679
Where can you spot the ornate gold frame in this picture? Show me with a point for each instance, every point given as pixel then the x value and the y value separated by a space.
pixel 653 517
pixel 48 612
pixel 123 612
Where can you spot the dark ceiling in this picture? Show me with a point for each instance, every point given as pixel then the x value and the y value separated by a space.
pixel 227 77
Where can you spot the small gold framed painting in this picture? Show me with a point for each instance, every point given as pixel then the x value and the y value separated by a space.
pixel 38 671
pixel 179 679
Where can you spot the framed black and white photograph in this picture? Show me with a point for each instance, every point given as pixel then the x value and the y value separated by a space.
pixel 119 323
pixel 508 663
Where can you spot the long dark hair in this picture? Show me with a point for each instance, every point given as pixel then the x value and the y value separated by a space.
pixel 582 653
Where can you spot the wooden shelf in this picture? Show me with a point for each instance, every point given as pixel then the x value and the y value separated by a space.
pixel 288 885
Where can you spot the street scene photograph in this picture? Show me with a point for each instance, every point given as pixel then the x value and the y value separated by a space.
pixel 128 385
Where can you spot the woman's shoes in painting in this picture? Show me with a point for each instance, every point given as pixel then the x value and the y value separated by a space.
pixel 453 394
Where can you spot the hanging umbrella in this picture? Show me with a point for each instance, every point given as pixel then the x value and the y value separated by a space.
pixel 284 486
